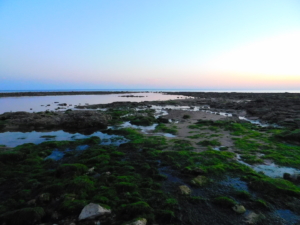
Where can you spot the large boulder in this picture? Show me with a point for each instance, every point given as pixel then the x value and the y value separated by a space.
pixel 92 210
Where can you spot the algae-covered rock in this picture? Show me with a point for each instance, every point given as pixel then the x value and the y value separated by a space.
pixel 224 201
pixel 185 190
pixel 23 216
pixel 92 211
pixel 239 209
pixel 199 181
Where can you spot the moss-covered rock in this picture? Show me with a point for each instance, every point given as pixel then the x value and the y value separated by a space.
pixel 224 201
pixel 68 170
pixel 23 216
pixel 199 181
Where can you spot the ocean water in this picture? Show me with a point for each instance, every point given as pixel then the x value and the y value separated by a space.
pixel 43 103
pixel 163 90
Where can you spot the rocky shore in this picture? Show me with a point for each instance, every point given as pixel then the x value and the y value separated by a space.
pixel 188 161
pixel 278 108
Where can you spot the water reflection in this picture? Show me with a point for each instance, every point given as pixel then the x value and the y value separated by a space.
pixel 271 170
pixel 42 103
pixel 13 139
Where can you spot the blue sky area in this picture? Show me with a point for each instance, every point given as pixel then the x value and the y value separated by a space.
pixel 150 44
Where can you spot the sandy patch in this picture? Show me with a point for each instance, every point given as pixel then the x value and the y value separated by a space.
pixel 204 133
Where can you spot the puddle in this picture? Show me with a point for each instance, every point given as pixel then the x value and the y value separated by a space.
pixel 235 183
pixel 163 110
pixel 164 134
pixel 13 139
pixel 144 129
pixel 170 177
pixel 290 217
pixel 271 170
pixel 58 155
pixel 55 155
pixel 81 147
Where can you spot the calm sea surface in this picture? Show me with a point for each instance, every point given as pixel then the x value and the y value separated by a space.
pixel 42 103
pixel 164 90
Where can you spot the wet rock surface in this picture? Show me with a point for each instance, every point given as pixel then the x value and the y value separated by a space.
pixel 38 121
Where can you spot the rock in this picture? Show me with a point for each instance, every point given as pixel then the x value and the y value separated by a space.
pixel 92 211
pixel 195 171
pixel 31 202
pixel 185 190
pixel 45 197
pixel 199 181
pixel 254 218
pixel 162 120
pixel 141 221
pixel 54 215
pixel 287 176
pixel 72 119
pixel 239 209
pixel 91 170
pixel 294 177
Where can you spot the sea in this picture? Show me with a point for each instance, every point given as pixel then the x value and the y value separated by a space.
pixel 163 90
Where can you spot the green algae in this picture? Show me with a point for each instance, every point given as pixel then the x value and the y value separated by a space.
pixel 127 179
pixel 224 201
pixel 171 129
pixel 213 142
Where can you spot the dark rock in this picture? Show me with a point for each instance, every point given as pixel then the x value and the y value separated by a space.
pixel 70 120
pixel 162 120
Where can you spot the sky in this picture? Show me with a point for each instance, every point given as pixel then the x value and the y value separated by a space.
pixel 159 44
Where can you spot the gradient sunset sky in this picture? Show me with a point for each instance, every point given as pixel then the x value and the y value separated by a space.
pixel 135 44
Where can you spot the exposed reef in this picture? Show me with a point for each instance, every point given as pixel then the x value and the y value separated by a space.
pixel 13 121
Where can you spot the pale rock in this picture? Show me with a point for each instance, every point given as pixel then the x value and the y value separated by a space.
pixel 141 221
pixel 92 210
pixel 254 218
pixel 239 209
pixel 185 190
pixel 91 170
